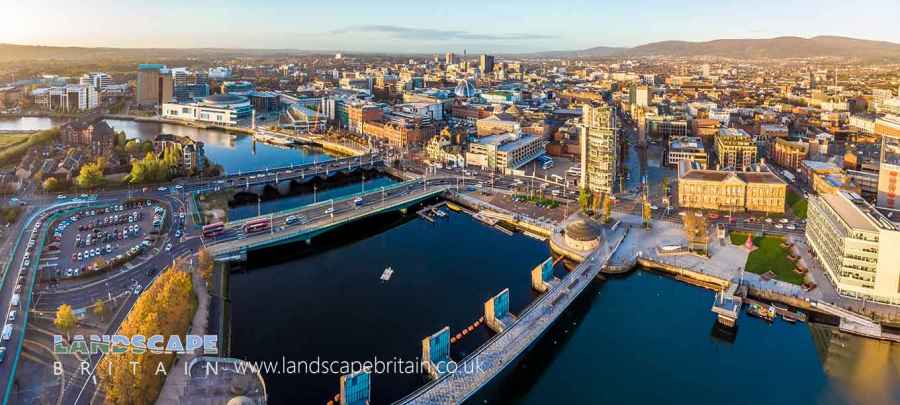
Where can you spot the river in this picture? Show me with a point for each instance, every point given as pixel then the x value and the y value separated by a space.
pixel 644 338
pixel 235 152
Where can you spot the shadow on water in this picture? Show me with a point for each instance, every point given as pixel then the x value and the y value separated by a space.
pixel 530 367
pixel 342 236
pixel 270 192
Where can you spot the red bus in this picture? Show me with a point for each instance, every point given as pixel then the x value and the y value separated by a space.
pixel 213 230
pixel 257 225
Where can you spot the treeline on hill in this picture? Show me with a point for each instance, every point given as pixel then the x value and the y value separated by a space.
pixel 12 154
pixel 166 308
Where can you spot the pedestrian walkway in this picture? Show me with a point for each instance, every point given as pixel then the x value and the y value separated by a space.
pixel 177 379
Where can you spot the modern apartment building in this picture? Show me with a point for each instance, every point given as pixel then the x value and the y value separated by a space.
pixel 98 80
pixel 68 98
pixel 599 140
pixel 856 245
pixel 735 149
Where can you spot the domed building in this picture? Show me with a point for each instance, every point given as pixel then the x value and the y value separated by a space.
pixel 583 235
pixel 465 88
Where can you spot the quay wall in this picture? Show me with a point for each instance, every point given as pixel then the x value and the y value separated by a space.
pixel 686 275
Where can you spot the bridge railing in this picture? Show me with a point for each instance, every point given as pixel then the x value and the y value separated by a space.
pixel 249 244
pixel 363 159
pixel 323 203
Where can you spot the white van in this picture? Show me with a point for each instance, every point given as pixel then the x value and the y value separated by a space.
pixel 7 331
pixel 15 300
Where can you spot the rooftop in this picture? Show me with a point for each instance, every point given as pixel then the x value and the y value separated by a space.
pixel 856 212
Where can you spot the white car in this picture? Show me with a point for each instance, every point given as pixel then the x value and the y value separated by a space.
pixel 168 247
pixel 791 227
pixel 779 226
pixel 61 197
pixel 162 189
pixel 329 211
pixel 179 187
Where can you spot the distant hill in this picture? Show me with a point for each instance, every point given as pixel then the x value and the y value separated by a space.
pixel 775 48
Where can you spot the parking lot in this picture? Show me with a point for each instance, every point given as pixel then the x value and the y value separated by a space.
pixel 96 240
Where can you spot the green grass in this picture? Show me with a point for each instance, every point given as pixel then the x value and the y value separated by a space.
pixel 12 140
pixel 769 256
pixel 797 204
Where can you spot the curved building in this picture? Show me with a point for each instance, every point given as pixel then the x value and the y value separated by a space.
pixel 220 109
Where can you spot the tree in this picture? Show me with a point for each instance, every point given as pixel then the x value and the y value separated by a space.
pixel 607 208
pixel 99 308
pixel 133 147
pixel 205 264
pixel 51 184
pixel 584 199
pixel 91 174
pixel 646 213
pixel 165 308
pixel 65 319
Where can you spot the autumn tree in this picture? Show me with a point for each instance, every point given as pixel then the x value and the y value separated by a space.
pixel 165 308
pixel 50 184
pixel 91 174
pixel 205 264
pixel 65 319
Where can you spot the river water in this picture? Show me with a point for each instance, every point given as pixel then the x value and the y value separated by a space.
pixel 644 338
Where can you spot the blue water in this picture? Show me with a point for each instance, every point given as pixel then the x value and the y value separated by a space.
pixel 326 300
pixel 235 152
pixel 641 339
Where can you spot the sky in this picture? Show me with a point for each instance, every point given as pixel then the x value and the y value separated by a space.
pixel 429 26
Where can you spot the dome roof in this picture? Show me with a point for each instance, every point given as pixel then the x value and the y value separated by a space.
pixel 582 231
pixel 241 400
pixel 224 99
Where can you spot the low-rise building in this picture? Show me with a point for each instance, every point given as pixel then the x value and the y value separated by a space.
pixel 689 148
pixel 730 191
pixel 218 109
pixel 856 245
pixel 504 152
pixel 789 154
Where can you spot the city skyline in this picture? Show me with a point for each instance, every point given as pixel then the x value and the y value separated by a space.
pixel 408 27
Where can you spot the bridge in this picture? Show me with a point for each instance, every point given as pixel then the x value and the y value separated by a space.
pixel 481 366
pixel 314 219
pixel 282 177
